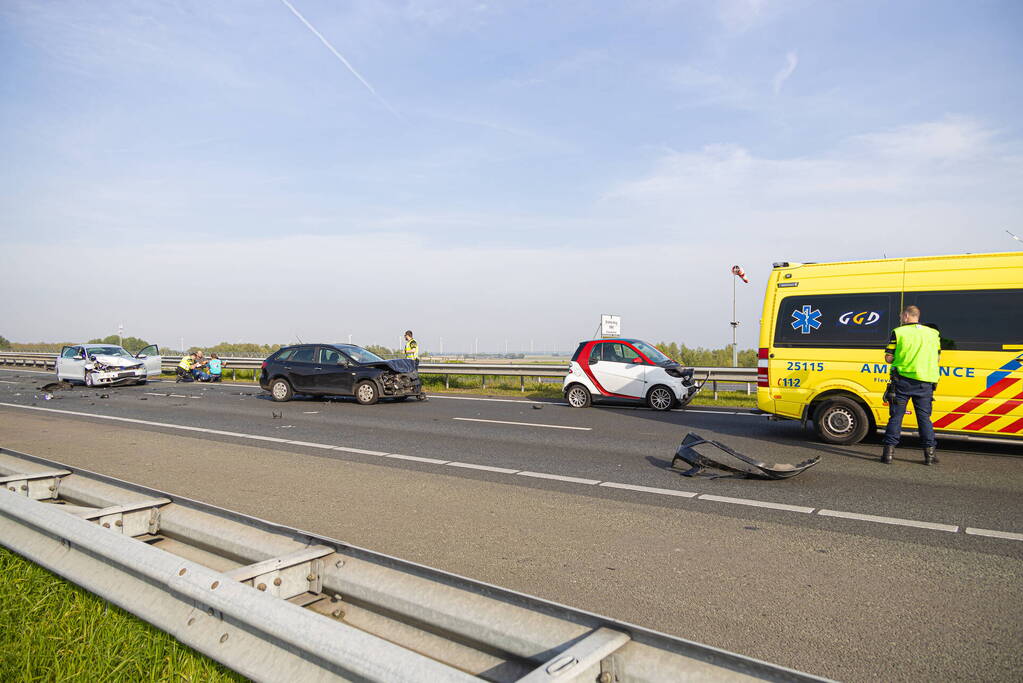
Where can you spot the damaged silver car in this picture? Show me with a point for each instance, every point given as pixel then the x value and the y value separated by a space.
pixel 107 365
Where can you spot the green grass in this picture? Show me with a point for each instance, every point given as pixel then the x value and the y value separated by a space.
pixel 52 630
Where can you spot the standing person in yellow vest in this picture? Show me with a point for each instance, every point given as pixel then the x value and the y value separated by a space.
pixel 411 347
pixel 912 352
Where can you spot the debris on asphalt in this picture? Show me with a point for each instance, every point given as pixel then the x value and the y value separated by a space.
pixel 56 386
pixel 715 455
pixel 47 397
pixel 277 415
pixel 104 395
pixel 143 398
pixel 537 407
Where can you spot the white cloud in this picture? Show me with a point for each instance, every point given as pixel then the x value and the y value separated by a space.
pixel 791 62
pixel 740 15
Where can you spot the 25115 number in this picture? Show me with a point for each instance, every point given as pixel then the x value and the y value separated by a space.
pixel 805 366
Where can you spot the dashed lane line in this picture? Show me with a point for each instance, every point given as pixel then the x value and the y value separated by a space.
pixel 757 503
pixel 558 477
pixel 1008 535
pixel 522 424
pixel 889 520
pixel 934 526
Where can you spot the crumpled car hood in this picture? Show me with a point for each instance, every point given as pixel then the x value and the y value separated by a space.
pixel 396 365
pixel 115 361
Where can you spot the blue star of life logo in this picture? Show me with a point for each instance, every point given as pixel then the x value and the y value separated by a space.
pixel 806 319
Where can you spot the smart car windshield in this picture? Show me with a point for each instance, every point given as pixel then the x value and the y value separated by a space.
pixel 359 354
pixel 108 351
pixel 650 352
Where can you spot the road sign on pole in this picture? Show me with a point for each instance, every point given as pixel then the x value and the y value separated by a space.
pixel 610 325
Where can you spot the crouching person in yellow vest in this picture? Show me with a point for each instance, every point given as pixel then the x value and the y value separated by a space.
pixel 913 352
pixel 185 368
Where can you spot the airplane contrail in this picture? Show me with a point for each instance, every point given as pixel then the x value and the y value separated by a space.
pixel 339 56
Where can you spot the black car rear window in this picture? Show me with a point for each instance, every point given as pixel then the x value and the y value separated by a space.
pixel 303 355
pixel 284 354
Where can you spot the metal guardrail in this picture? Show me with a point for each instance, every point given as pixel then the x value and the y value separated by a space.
pixel 746 376
pixel 280 604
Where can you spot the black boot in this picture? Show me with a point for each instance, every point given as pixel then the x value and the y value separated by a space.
pixel 886 454
pixel 929 457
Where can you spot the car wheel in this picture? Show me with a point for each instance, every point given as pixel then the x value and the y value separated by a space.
pixel 280 390
pixel 366 393
pixel 88 379
pixel 841 420
pixel 660 398
pixel 578 396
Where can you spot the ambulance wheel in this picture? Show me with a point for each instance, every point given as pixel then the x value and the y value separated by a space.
pixel 660 398
pixel 578 396
pixel 841 420
pixel 281 390
pixel 366 393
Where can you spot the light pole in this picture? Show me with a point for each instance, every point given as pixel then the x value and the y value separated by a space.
pixel 737 272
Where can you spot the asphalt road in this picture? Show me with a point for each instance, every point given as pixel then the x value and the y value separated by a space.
pixel 580 506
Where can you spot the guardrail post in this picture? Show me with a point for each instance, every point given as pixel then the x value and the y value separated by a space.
pixel 484 379
pixel 749 390
pixel 714 387
pixel 447 381
pixel 522 383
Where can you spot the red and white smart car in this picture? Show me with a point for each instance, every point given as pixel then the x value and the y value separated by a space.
pixel 627 370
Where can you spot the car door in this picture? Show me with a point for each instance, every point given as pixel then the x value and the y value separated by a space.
pixel 71 364
pixel 621 370
pixel 335 373
pixel 150 356
pixel 300 369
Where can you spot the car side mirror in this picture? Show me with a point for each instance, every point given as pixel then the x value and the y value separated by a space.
pixel 594 361
pixel 637 360
pixel 142 355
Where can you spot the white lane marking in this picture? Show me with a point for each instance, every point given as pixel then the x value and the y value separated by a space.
pixel 154 393
pixel 1008 535
pixel 495 400
pixel 888 520
pixel 757 503
pixel 310 412
pixel 6 382
pixel 541 475
pixel 649 489
pixel 485 468
pixel 360 451
pixel 557 477
pixel 522 424
pixel 417 458
pixel 310 444
pixel 34 372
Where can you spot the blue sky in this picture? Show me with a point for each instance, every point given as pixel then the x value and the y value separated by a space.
pixel 506 171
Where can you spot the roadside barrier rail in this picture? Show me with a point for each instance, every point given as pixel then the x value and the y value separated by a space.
pixel 276 603
pixel 714 376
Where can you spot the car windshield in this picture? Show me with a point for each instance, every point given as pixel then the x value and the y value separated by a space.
pixel 359 354
pixel 108 351
pixel 651 352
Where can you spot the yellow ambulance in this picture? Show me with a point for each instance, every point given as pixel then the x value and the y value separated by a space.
pixel 825 326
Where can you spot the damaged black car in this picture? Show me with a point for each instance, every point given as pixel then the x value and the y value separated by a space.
pixel 338 370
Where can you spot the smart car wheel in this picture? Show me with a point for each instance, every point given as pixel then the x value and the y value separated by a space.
pixel 578 396
pixel 660 398
pixel 281 390
pixel 366 393
pixel 841 421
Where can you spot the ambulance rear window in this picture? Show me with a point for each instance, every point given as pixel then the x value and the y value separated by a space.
pixel 837 320
pixel 973 320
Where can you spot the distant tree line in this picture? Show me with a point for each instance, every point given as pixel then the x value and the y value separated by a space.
pixel 704 357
